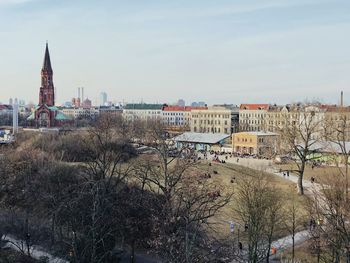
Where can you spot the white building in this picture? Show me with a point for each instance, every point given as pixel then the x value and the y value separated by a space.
pixel 103 99
pixel 178 116
pixel 143 111
pixel 80 113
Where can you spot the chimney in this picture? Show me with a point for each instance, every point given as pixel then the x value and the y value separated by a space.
pixel 78 93
pixel 82 94
pixel 341 99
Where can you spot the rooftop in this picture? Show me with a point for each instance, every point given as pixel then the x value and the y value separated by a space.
pixel 143 106
pixel 254 106
pixel 5 107
pixel 209 138
pixel 185 108
pixel 258 133
pixel 328 146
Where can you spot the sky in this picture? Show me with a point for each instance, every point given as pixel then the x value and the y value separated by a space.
pixel 217 51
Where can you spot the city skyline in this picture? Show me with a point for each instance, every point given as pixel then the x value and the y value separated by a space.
pixel 241 52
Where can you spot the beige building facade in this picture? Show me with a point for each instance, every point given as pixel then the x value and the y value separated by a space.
pixel 212 120
pixel 252 117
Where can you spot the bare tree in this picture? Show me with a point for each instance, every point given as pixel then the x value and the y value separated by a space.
pixel 337 135
pixel 189 201
pixel 330 211
pixel 258 207
pixel 300 135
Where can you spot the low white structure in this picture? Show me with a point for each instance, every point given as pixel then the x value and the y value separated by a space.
pixel 201 141
pixel 6 137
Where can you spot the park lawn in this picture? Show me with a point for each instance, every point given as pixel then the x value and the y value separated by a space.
pixel 302 254
pixel 10 255
pixel 319 173
pixel 220 227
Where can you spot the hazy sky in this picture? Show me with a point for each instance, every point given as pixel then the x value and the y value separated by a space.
pixel 218 51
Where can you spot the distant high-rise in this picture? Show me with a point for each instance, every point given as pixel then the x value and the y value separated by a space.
pixel 181 103
pixel 198 104
pixel 103 98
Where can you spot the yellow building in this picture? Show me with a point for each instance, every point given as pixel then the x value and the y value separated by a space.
pixel 255 143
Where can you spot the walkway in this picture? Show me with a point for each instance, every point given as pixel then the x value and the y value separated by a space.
pixel 267 165
pixel 35 251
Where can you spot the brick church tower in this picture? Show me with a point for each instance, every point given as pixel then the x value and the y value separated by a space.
pixel 46 114
pixel 47 90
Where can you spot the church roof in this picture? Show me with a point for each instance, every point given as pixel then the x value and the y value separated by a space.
pixel 61 117
pixel 47 62
pixel 53 108
pixel 31 116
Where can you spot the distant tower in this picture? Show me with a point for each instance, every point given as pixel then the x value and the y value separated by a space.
pixel 82 94
pixel 47 90
pixel 15 116
pixel 341 99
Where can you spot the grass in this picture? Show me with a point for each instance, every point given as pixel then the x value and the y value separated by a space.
pixel 9 255
pixel 225 172
pixel 302 254
pixel 322 172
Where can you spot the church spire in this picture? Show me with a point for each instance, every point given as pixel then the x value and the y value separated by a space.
pixel 47 62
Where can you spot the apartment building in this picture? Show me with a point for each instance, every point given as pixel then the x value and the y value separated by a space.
pixel 252 117
pixel 313 115
pixel 178 117
pixel 143 111
pixel 216 119
pixel 337 123
pixel 277 117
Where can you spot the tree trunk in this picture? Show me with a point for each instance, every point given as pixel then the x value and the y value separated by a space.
pixel 132 257
pixel 53 220
pixel 300 185
pixel 293 248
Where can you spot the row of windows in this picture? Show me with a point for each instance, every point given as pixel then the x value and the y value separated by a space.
pixel 213 129
pixel 225 116
pixel 244 140
pixel 250 140
pixel 209 122
pixel 138 112
pixel 256 115
pixel 250 128
pixel 252 121
pixel 173 113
